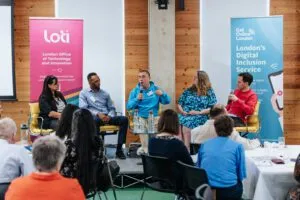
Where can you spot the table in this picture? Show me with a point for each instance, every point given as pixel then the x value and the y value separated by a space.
pixel 266 180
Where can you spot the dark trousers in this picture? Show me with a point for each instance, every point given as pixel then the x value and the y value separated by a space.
pixel 233 193
pixel 238 122
pixel 121 121
pixel 3 189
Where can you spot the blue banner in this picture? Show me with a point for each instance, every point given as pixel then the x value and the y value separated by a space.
pixel 257 48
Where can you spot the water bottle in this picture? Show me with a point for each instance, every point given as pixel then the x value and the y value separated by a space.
pixel 151 126
pixel 24 134
pixel 135 121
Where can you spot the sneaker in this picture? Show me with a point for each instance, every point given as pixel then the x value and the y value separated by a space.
pixel 140 151
pixel 120 154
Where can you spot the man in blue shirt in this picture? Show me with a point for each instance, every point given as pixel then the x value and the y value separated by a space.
pixel 224 161
pixel 99 103
pixel 15 160
pixel 146 97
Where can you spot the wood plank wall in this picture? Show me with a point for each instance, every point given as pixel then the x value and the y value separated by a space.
pixel 187 40
pixel 19 110
pixel 187 52
pixel 136 46
pixel 290 9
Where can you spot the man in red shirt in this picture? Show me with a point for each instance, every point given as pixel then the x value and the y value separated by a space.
pixel 242 102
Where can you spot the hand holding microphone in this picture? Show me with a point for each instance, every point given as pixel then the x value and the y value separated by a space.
pixel 140 96
pixel 232 97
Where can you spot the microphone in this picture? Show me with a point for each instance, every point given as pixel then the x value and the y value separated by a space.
pixel 229 101
pixel 141 92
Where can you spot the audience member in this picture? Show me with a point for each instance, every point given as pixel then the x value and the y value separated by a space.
pixel 207 131
pixel 15 161
pixel 99 103
pixel 51 102
pixel 84 149
pixel 224 161
pixel 146 97
pixel 46 183
pixel 166 142
pixel 294 192
pixel 194 105
pixel 242 102
pixel 65 122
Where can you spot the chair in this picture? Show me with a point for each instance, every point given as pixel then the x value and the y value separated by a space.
pixel 194 179
pixel 35 130
pixel 109 130
pixel 162 174
pixel 252 122
pixel 3 189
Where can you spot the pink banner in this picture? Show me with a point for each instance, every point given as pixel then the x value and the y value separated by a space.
pixel 56 49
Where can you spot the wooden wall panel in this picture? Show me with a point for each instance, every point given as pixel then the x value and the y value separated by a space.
pixel 19 110
pixel 187 45
pixel 187 52
pixel 136 46
pixel 290 10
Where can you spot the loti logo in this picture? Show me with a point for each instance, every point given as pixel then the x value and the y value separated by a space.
pixel 62 36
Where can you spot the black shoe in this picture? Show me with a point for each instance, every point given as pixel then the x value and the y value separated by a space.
pixel 120 154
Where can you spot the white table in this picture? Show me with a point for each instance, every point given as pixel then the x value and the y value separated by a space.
pixel 266 180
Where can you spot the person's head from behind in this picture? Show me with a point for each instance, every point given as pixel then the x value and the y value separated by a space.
pixel 244 80
pixel 65 121
pixel 50 85
pixel 83 136
pixel 83 126
pixel 48 153
pixel 217 110
pixel 168 122
pixel 201 82
pixel 8 130
pixel 94 81
pixel 223 125
pixel 144 78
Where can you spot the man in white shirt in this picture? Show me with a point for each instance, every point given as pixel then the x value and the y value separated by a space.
pixel 14 159
pixel 207 131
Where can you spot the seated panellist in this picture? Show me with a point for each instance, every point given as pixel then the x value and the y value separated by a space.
pixel 99 103
pixel 243 100
pixel 51 103
pixel 207 131
pixel 46 183
pixel 146 98
pixel 15 161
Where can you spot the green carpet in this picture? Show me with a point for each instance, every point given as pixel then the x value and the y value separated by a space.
pixel 135 194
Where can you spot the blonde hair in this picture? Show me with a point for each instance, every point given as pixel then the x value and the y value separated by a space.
pixel 8 128
pixel 203 83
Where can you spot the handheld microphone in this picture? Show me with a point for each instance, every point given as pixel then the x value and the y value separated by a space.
pixel 141 91
pixel 229 101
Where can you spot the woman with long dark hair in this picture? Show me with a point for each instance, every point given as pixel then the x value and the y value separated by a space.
pixel 194 105
pixel 51 102
pixel 84 148
pixel 65 122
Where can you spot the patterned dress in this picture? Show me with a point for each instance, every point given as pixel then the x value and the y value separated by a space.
pixel 189 101
pixel 69 167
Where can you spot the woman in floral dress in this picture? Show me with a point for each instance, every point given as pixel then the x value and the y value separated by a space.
pixel 194 105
